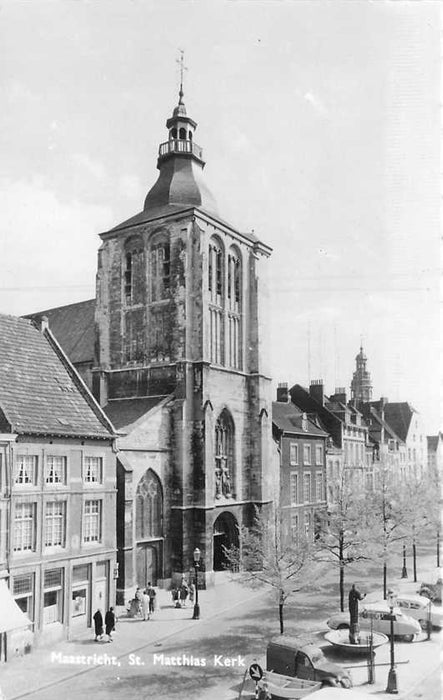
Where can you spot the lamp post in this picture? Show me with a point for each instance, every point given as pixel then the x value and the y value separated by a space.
pixel 392 675
pixel 197 555
pixel 404 571
pixel 429 621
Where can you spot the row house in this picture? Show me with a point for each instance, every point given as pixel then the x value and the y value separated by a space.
pixel 348 448
pixel 57 491
pixel 301 444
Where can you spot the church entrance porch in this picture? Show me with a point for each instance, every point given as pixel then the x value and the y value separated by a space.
pixel 225 534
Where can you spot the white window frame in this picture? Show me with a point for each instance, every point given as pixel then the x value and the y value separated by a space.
pixel 92 481
pixel 318 451
pixel 319 487
pixel 307 476
pixel 58 524
pixel 23 536
pixel 58 470
pixel 92 521
pixel 293 453
pixel 29 472
pixel 294 479
pixel 307 453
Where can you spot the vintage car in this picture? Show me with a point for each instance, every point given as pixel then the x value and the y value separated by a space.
pixel 377 617
pixel 419 607
pixel 290 656
pixel 432 591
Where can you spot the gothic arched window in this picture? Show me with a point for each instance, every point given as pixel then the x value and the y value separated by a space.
pixel 216 272
pixel 134 272
pixel 149 507
pixel 160 269
pixel 234 294
pixel 224 456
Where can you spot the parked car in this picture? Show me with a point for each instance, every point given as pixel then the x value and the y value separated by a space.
pixel 417 606
pixel 294 657
pixel 377 616
pixel 432 590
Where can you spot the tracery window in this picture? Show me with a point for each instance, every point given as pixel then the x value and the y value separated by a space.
pixel 234 308
pixel 224 456
pixel 134 272
pixel 149 507
pixel 216 308
pixel 160 270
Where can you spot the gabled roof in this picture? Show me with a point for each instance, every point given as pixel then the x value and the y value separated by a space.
pixel 399 416
pixel 40 392
pixel 433 441
pixel 123 413
pixel 73 326
pixel 289 419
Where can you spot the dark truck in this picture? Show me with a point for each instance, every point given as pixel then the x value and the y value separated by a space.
pixel 292 657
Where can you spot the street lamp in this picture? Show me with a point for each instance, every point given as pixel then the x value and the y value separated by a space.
pixel 392 676
pixel 404 572
pixel 429 620
pixel 197 555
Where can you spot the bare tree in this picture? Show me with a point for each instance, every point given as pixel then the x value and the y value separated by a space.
pixel 386 517
pixel 344 532
pixel 262 559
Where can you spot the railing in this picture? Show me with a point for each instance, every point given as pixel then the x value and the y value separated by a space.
pixel 180 146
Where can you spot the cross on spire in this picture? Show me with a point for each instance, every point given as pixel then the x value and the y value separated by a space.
pixel 181 63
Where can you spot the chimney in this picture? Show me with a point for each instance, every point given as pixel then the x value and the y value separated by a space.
pixel 340 394
pixel 41 323
pixel 316 391
pixel 283 392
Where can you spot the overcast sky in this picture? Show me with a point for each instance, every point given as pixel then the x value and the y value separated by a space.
pixel 320 128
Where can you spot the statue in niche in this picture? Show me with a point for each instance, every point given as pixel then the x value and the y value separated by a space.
pixel 218 482
pixel 226 481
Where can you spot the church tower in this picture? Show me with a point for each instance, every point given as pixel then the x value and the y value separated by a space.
pixel 361 385
pixel 182 370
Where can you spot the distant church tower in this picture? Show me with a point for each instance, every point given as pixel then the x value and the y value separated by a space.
pixel 182 370
pixel 361 385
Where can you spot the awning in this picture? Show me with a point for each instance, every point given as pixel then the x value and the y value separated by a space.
pixel 11 617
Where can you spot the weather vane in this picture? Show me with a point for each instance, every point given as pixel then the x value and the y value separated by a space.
pixel 181 63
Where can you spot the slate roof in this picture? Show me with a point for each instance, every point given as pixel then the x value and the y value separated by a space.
pixel 125 412
pixel 73 326
pixel 399 416
pixel 169 210
pixel 433 441
pixel 288 418
pixel 40 392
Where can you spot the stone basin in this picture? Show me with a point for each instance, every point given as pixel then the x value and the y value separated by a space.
pixel 340 640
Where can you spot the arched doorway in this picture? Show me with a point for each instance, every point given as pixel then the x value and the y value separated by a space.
pixel 149 529
pixel 225 534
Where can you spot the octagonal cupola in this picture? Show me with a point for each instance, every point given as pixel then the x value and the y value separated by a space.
pixel 180 162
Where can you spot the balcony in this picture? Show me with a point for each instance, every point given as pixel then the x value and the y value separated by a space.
pixel 181 146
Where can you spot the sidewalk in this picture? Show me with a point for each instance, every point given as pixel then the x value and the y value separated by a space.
pixel 42 668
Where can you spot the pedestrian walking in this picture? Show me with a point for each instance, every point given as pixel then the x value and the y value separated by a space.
pixel 183 593
pixel 98 625
pixel 139 599
pixel 151 594
pixel 110 623
pixel 191 593
pixel 176 597
pixel 145 606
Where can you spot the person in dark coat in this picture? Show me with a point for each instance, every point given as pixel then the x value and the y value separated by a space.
pixel 98 625
pixel 110 623
pixel 354 597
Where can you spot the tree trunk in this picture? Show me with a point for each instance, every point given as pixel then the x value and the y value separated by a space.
pixel 438 548
pixel 280 615
pixel 342 572
pixel 385 579
pixel 414 560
